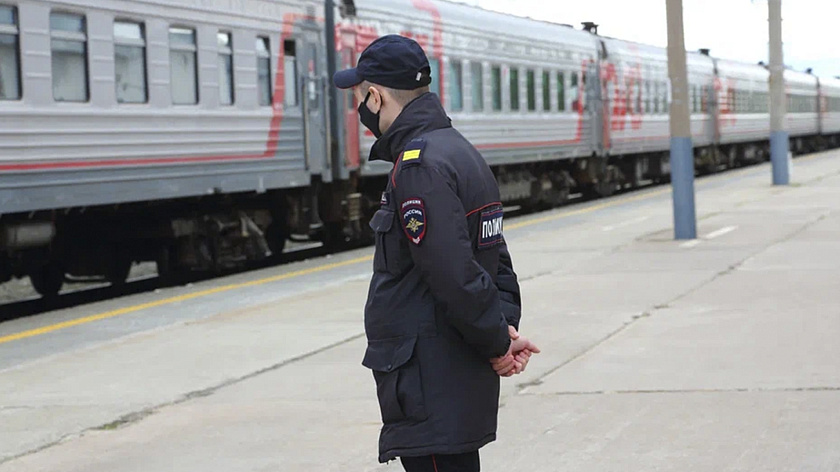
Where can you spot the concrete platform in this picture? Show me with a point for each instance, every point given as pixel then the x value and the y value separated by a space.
pixel 719 354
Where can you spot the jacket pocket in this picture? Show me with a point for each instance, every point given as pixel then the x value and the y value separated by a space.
pixel 399 385
pixel 386 257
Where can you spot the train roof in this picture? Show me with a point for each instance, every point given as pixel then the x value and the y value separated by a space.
pixel 470 17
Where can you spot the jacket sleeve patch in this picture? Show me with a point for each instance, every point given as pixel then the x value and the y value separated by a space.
pixel 491 225
pixel 413 213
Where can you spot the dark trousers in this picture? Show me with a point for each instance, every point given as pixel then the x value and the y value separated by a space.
pixel 468 462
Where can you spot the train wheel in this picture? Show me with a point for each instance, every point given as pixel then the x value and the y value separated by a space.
pixel 119 269
pixel 333 236
pixel 48 279
pixel 168 269
pixel 276 235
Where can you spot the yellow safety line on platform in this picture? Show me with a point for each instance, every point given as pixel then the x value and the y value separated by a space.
pixel 299 273
pixel 180 298
pixel 589 209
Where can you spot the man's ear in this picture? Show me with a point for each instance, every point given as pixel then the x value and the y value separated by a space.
pixel 375 100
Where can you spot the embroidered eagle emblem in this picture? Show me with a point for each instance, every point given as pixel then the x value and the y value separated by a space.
pixel 413 225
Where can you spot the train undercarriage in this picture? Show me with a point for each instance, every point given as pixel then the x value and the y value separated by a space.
pixel 219 233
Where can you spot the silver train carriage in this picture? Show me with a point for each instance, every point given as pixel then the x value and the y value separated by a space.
pixel 201 134
pixel 140 130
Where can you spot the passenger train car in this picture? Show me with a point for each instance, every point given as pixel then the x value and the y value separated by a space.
pixel 202 134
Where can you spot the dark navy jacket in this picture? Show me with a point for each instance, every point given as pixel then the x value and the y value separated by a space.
pixel 443 290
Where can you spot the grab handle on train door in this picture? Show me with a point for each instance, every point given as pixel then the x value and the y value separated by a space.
pixel 305 117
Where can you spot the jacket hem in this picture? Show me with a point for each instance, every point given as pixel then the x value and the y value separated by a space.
pixel 418 451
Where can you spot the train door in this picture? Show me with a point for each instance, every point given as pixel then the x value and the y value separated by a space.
pixel 351 117
pixel 594 107
pixel 313 86
pixel 608 87
pixel 820 107
pixel 712 98
pixel 713 109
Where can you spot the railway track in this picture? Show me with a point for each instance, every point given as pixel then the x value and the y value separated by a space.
pixel 18 299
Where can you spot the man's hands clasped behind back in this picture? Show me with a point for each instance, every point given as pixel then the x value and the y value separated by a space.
pixel 517 357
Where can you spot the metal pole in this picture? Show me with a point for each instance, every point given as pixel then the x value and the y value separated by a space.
pixel 779 139
pixel 682 152
pixel 331 105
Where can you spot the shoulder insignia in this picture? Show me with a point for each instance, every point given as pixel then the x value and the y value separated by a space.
pixel 413 152
pixel 413 213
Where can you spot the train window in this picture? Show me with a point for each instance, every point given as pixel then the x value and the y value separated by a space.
pixel 637 86
pixel 455 85
pixel 477 77
pixel 575 92
pixel 730 100
pixel 291 87
pixel 704 99
pixel 650 97
pixel 736 100
pixel 68 45
pixel 655 105
pixel 496 87
pixel 561 91
pixel 666 98
pixel 183 66
pixel 226 93
pixel 530 90
pixel 264 72
pixel 514 89
pixel 130 62
pixel 9 55
pixel 693 99
pixel 435 73
pixel 546 87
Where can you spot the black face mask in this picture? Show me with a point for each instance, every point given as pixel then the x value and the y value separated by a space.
pixel 369 118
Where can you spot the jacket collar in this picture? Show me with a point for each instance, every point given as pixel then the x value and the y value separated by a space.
pixel 421 115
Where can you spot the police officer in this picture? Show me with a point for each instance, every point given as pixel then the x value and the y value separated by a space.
pixel 444 304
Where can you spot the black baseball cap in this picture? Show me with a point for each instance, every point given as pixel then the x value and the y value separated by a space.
pixel 392 61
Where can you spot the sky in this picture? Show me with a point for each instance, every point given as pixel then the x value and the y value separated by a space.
pixel 732 29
